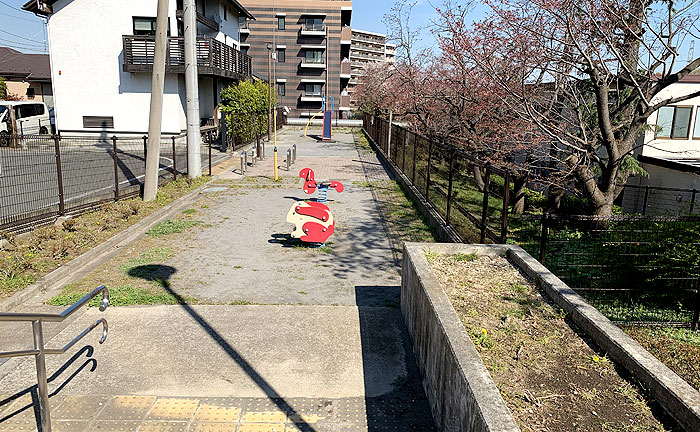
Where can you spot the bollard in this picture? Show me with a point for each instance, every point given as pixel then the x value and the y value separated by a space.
pixel 294 153
pixel 253 157
pixel 245 153
pixel 289 158
pixel 242 164
pixel 275 163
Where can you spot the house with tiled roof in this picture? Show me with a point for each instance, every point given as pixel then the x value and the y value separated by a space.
pixel 28 76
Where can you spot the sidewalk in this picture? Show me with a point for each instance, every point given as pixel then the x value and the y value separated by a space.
pixel 279 337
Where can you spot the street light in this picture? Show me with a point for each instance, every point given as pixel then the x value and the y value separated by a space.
pixel 269 89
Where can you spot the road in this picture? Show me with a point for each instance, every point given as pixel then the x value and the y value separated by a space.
pixel 29 176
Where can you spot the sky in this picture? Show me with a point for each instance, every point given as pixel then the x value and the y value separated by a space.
pixel 21 30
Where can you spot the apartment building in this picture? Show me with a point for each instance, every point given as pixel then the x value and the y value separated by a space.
pixel 367 47
pixel 306 44
pixel 101 54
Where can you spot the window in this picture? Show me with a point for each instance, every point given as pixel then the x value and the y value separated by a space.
pixel 146 26
pixel 280 55
pixel 31 93
pixel 225 13
pixel 242 23
pixel 696 131
pixel 313 56
pixel 674 122
pixel 313 89
pixel 313 24
pixel 244 49
pixel 28 110
pixel 281 89
pixel 280 23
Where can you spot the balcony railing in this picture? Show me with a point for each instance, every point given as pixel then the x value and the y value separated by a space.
pixel 213 57
pixel 200 19
pixel 313 29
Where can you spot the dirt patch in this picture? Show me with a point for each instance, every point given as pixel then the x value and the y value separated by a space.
pixel 31 256
pixel 551 376
pixel 679 349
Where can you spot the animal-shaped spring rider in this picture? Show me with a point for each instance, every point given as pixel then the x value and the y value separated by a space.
pixel 313 220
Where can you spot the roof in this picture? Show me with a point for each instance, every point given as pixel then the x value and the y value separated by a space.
pixel 31 67
pixel 44 7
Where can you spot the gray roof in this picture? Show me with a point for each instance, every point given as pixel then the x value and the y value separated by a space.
pixel 30 67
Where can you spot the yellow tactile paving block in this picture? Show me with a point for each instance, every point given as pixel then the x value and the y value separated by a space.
pixel 214 413
pixel 273 416
pixel 115 426
pixel 69 426
pixel 173 409
pixel 304 418
pixel 213 427
pixel 261 427
pixel 19 425
pixel 79 407
pixel 163 426
pixel 127 408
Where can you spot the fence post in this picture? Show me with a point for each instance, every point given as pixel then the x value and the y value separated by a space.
pixel 646 198
pixel 116 168
pixel 413 173
pixel 692 201
pixel 210 140
pixel 59 175
pixel 403 151
pixel 388 139
pixel 449 186
pixel 504 215
pixel 696 312
pixel 427 174
pixel 485 203
pixel 174 160
pixel 42 381
pixel 543 236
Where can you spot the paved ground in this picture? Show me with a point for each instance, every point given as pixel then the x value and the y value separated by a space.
pixel 323 348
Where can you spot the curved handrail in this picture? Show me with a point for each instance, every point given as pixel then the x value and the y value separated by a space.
pixel 21 316
pixel 82 335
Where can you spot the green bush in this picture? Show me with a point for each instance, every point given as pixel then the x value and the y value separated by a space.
pixel 245 106
pixel 3 88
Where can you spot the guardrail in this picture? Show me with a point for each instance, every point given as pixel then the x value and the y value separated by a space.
pixel 40 351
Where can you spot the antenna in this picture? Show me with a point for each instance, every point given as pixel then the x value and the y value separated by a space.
pixel 691 50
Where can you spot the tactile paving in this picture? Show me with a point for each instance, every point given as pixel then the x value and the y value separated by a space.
pixel 127 408
pixel 272 416
pixel 261 427
pixel 163 426
pixel 79 408
pixel 214 413
pixel 213 427
pixel 18 425
pixel 70 426
pixel 173 409
pixel 115 426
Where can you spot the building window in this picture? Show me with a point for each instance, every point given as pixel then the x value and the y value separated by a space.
pixel 280 23
pixel 146 26
pixel 30 93
pixel 696 130
pixel 313 24
pixel 313 89
pixel 242 23
pixel 280 55
pixel 281 89
pixel 313 56
pixel 674 122
pixel 98 122
pixel 244 49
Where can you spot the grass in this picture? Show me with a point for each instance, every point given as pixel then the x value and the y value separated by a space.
pixel 170 226
pixel 31 256
pixel 125 295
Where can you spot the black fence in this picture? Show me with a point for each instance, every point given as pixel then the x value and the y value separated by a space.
pixel 635 269
pixel 45 176
pixel 660 201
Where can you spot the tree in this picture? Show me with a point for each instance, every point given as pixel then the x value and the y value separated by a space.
pixel 3 88
pixel 245 107
pixel 586 75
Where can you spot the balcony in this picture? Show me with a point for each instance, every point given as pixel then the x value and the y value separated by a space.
pixel 213 57
pixel 313 30
pixel 313 63
pixel 346 35
pixel 200 19
pixel 243 27
pixel 311 97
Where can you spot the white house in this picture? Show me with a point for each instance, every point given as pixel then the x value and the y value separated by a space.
pixel 670 153
pixel 101 54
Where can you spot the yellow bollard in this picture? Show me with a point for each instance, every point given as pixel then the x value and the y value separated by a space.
pixel 276 178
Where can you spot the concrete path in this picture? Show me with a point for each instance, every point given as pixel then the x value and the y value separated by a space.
pixel 314 341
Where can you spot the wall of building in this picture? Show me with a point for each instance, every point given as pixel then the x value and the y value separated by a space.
pixel 674 148
pixel 264 29
pixel 19 88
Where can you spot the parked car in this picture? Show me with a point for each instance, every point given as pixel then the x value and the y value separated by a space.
pixel 32 118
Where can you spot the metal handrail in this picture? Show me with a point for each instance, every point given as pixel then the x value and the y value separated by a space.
pixel 40 351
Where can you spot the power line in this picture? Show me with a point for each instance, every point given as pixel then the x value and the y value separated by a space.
pixel 20 18
pixel 9 41
pixel 21 37
pixel 12 7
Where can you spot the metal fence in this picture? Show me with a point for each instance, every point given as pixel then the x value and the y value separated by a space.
pixel 635 269
pixel 660 201
pixel 45 176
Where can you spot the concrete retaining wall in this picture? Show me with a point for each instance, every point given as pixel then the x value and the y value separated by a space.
pixel 461 393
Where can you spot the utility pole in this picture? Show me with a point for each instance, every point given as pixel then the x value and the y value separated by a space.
pixel 155 120
pixel 194 159
pixel 269 89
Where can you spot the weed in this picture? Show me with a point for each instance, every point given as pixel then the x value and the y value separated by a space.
pixel 125 295
pixel 171 227
pixel 242 303
pixel 237 267
pixel 303 292
pixel 431 255
pixel 462 257
pixel 189 211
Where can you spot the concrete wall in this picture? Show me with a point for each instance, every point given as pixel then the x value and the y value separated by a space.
pixel 86 49
pixel 458 387
pixel 662 202
pixel 19 88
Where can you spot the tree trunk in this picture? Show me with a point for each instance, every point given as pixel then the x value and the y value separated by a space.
pixel 478 178
pixel 519 184
pixel 554 196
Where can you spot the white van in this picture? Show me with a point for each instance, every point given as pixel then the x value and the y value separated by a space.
pixel 32 118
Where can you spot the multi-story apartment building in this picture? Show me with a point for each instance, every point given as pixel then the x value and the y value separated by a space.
pixel 101 54
pixel 367 47
pixel 307 44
